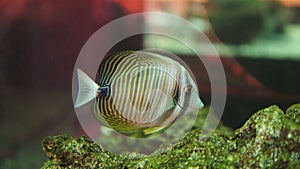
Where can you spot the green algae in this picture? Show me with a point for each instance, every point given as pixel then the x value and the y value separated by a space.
pixel 147 146
pixel 269 139
pixel 65 152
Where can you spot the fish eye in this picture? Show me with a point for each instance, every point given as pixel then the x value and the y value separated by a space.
pixel 188 88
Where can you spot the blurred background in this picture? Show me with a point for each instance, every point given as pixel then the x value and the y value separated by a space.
pixel 257 40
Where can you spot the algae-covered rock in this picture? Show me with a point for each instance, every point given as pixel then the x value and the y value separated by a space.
pixel 269 139
pixel 116 143
pixel 66 152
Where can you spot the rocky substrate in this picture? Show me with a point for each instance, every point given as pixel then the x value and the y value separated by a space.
pixel 269 139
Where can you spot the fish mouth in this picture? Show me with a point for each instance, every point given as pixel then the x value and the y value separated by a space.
pixel 201 104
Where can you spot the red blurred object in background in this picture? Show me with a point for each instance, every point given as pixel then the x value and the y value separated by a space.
pixel 131 6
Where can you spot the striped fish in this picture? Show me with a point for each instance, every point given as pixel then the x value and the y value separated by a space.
pixel 139 93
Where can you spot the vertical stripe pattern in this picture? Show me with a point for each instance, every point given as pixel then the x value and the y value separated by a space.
pixel 142 89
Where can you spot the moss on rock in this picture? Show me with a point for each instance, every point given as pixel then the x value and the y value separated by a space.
pixel 269 139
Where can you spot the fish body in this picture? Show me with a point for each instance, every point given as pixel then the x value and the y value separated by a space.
pixel 139 93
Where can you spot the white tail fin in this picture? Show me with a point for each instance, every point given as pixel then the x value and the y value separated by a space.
pixel 87 89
